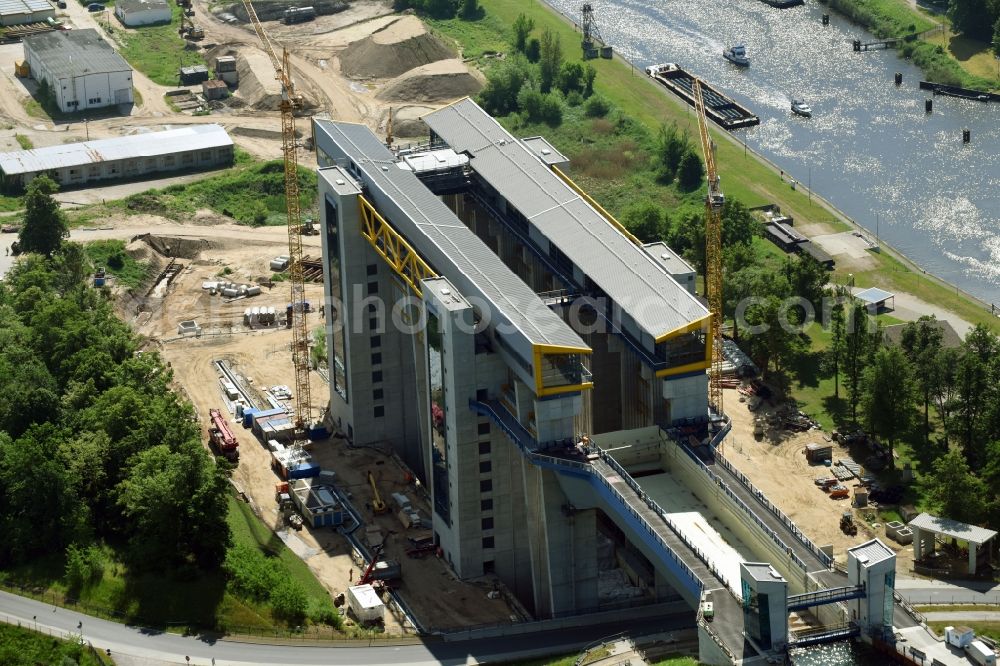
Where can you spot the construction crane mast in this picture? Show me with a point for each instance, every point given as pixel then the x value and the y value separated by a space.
pixel 290 102
pixel 713 252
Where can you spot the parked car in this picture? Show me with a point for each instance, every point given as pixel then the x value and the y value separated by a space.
pixel 95 7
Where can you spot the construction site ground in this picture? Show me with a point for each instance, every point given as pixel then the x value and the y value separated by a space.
pixel 264 358
pixel 777 466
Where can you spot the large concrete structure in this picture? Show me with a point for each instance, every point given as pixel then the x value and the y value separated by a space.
pixel 872 565
pixel 82 69
pixel 17 12
pixel 136 156
pixel 765 604
pixel 511 293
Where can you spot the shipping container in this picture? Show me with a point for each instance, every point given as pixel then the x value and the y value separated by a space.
pixel 305 470
pixel 959 636
pixel 364 602
pixel 981 654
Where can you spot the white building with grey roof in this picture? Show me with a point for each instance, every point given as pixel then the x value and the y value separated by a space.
pixel 18 12
pixel 134 13
pixel 81 68
pixel 146 155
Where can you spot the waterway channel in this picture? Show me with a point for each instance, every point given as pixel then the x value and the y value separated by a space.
pixel 869 149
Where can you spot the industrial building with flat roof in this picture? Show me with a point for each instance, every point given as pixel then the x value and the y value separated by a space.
pixel 80 67
pixel 18 12
pixel 547 324
pixel 142 12
pixel 129 157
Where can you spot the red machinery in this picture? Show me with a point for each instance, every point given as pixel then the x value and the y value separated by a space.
pixel 221 437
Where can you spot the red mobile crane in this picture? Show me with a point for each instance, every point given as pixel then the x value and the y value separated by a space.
pixel 221 437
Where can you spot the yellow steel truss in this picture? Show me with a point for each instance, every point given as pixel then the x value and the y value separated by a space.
pixel 392 247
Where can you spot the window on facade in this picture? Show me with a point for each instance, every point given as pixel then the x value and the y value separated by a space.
pixel 376 341
pixel 485 467
pixel 484 428
pixel 372 269
pixel 484 448
pixel 486 505
pixel 377 376
pixel 377 394
pixel 487 523
pixel 488 542
pixel 489 566
pixel 372 288
pixel 379 411
pixel 485 486
pixel 376 358
pixel 206 154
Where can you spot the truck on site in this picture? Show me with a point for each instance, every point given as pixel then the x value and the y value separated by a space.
pixel 221 437
pixel 981 653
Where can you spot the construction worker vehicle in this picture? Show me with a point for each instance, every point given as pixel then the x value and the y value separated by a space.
pixel 221 437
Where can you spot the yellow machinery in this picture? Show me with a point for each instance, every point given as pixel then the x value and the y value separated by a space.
pixel 290 102
pixel 378 504
pixel 713 252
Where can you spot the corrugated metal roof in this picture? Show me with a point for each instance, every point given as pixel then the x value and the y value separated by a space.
pixel 8 7
pixel 872 552
pixel 874 295
pixel 953 528
pixel 128 6
pixel 71 53
pixel 445 242
pixel 630 277
pixel 150 144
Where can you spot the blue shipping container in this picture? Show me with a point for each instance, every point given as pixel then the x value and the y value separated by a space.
pixel 98 282
pixel 248 415
pixel 319 432
pixel 306 470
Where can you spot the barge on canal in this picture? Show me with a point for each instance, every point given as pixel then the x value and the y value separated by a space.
pixel 722 110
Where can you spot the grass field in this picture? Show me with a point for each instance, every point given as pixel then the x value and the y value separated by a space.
pixel 158 51
pixel 991 629
pixel 23 141
pixel 23 647
pixel 112 256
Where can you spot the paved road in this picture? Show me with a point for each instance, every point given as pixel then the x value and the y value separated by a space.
pixel 940 592
pixel 144 646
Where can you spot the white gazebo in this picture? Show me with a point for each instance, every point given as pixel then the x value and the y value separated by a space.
pixel 926 527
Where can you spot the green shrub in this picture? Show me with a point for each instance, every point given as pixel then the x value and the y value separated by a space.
pixel 574 99
pixel 84 566
pixel 597 107
pixel 289 601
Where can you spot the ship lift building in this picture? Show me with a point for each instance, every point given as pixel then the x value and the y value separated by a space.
pixel 525 356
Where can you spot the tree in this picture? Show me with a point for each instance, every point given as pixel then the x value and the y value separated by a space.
pixel 752 281
pixel 807 278
pixel 670 147
pixel 957 492
pixel 838 345
pixel 972 17
pixel 522 27
pixel 888 396
pixel 645 220
pixel 944 389
pixel 690 172
pixel 44 223
pixel 590 74
pixel 470 10
pixel 503 85
pixel 859 345
pixel 921 342
pixel 534 50
pixel 550 60
pixel 571 77
pixel 976 379
pixel 772 341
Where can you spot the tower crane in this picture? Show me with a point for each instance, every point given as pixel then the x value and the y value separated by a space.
pixel 290 102
pixel 713 252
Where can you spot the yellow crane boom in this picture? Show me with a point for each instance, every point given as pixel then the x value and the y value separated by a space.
pixel 378 504
pixel 290 101
pixel 713 252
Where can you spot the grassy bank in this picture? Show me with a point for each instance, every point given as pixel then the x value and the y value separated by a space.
pixel 158 51
pixel 23 647
pixel 112 256
pixel 942 56
pixel 252 193
pixel 183 600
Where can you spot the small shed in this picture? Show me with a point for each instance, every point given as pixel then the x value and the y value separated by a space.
pixel 193 75
pixel 214 89
pixel 926 528
pixel 817 253
pixel 365 604
pixel 225 69
pixel 18 12
pixel 876 298
pixel 784 236
pixel 318 502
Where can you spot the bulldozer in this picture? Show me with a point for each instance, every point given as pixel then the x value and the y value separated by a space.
pixel 847 525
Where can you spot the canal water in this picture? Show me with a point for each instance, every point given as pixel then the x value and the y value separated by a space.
pixel 844 653
pixel 870 149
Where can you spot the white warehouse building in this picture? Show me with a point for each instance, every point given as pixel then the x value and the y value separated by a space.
pixel 81 67
pixel 149 155
pixel 17 12
pixel 142 12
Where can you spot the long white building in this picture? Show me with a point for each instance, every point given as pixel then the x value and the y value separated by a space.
pixel 82 69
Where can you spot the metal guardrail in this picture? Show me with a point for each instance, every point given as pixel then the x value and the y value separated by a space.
pixel 786 521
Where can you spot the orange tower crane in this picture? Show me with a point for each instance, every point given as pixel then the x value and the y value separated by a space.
pixel 713 252
pixel 290 102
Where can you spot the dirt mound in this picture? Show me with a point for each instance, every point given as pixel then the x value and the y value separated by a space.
pixel 434 82
pixel 392 50
pixel 171 246
pixel 257 87
pixel 407 121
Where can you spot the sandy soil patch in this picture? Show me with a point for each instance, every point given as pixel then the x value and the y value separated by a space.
pixel 435 82
pixel 392 50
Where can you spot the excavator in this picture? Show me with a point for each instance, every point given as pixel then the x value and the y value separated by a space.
pixel 378 504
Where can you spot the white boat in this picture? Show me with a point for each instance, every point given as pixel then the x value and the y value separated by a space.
pixel 737 55
pixel 801 108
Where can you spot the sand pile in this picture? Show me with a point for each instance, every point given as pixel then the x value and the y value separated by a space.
pixel 258 87
pixel 407 121
pixel 392 50
pixel 435 82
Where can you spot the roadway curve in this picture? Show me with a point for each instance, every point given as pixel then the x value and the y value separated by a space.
pixel 149 644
